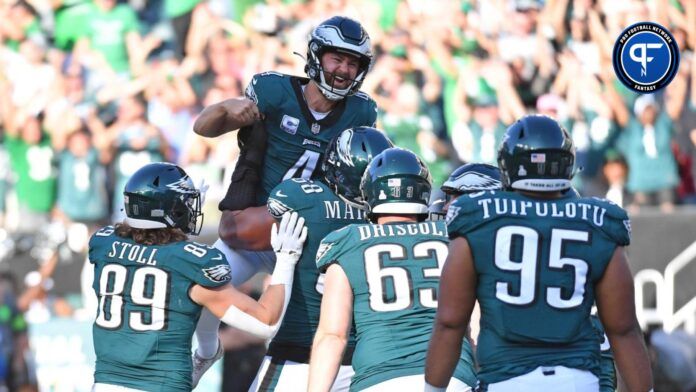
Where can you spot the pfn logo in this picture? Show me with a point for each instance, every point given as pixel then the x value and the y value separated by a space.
pixel 642 58
pixel 645 57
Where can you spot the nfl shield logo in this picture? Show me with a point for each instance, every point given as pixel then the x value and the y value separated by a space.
pixel 316 128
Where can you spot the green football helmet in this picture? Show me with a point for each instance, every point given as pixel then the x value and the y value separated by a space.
pixel 343 35
pixel 162 195
pixel 346 159
pixel 396 182
pixel 536 154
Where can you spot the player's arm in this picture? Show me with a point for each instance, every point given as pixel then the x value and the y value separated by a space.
pixel 616 306
pixel 246 229
pixel 228 115
pixel 261 318
pixel 456 298
pixel 332 333
pixel 238 310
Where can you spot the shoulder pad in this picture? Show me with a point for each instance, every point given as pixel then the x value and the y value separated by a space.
pixel 332 247
pixel 290 195
pixel 615 221
pixel 99 238
pixel 204 264
pixel 265 81
pixel 464 214
pixel 363 95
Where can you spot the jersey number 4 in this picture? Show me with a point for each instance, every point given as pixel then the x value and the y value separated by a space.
pixel 378 276
pixel 149 289
pixel 526 266
pixel 306 164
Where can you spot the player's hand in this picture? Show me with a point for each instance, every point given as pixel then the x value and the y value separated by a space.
pixel 242 110
pixel 289 235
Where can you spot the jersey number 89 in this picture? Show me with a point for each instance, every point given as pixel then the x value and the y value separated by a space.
pixel 149 288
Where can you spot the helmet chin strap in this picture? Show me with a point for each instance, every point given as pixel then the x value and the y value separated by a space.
pixel 329 92
pixel 351 202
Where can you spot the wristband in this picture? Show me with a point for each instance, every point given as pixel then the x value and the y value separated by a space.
pixel 284 270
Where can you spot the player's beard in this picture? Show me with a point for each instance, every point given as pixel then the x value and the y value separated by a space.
pixel 340 84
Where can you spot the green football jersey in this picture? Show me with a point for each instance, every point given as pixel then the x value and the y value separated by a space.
pixel 607 378
pixel 145 321
pixel 537 262
pixel 394 273
pixel 296 140
pixel 324 212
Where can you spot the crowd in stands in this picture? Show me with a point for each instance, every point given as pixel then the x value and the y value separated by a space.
pixel 91 90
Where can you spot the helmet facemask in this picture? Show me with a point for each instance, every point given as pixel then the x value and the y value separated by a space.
pixel 186 212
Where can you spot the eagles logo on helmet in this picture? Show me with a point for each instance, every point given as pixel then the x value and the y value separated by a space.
pixel 161 195
pixel 346 158
pixel 468 178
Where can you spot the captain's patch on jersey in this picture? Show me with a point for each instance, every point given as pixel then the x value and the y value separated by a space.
pixel 218 274
pixel 289 124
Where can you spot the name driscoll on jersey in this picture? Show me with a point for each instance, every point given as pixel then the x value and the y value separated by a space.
pixel 423 228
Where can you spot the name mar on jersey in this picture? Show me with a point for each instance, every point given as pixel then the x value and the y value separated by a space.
pixel 133 252
pixel 338 210
pixel 573 209
pixel 376 231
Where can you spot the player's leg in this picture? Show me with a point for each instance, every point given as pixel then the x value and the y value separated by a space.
pixel 551 378
pixel 280 376
pixel 243 265
pixel 241 269
pixel 415 383
pixel 268 375
pixel 288 370
pixel 261 260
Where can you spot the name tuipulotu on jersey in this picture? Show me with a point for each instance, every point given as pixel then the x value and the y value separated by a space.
pixel 494 206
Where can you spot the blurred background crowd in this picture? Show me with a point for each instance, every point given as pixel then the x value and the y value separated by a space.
pixel 91 90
